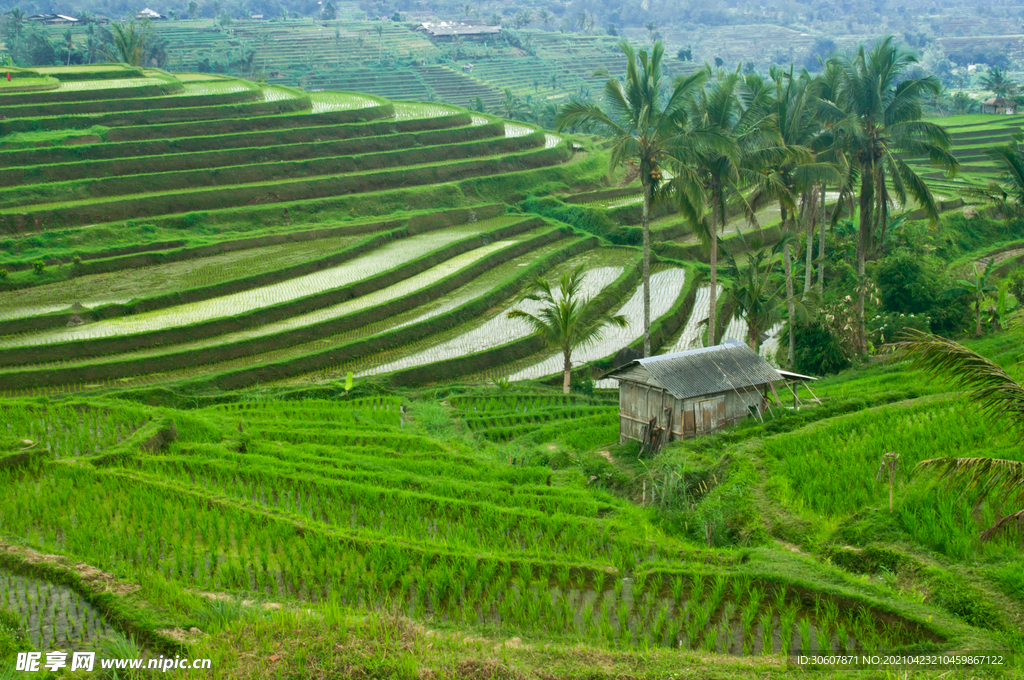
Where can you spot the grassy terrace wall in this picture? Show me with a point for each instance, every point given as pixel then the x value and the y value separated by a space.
pixel 164 204
pixel 159 88
pixel 115 105
pixel 305 128
pixel 280 370
pixel 262 315
pixel 192 114
pixel 77 73
pixel 297 151
pixel 115 368
pixel 416 224
pixel 250 119
pixel 261 172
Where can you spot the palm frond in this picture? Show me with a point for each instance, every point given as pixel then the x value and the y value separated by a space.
pixel 980 478
pixel 998 395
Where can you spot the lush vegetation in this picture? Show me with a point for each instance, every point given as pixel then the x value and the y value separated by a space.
pixel 263 400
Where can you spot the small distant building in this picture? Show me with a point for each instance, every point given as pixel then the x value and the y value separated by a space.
pixel 54 19
pixel 448 30
pixel 686 394
pixel 256 17
pixel 467 68
pixel 999 105
pixel 147 13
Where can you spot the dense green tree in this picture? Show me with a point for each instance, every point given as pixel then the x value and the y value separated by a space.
pixel 329 12
pixel 877 116
pixel 645 121
pixel 907 283
pixel 566 320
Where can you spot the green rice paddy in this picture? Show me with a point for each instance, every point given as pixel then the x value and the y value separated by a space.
pixel 182 447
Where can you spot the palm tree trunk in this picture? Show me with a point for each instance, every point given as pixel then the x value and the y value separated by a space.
pixel 647 265
pixel 787 262
pixel 812 212
pixel 821 242
pixel 867 196
pixel 713 293
pixel 566 373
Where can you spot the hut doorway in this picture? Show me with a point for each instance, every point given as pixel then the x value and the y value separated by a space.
pixel 705 414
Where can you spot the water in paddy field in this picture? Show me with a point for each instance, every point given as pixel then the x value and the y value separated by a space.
pixel 54 616
pixel 665 288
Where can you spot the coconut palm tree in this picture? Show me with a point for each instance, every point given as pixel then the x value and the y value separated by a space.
pixel 743 138
pixel 755 292
pixel 645 121
pixel 15 20
pixel 998 83
pixel 510 107
pixel 877 115
pixel 379 28
pixel 566 320
pixel 976 289
pixel 651 27
pixel 69 44
pixel 795 171
pixel 130 40
pixel 1001 399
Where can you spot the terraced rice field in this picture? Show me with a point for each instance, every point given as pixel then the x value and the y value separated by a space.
pixel 207 87
pixel 278 293
pixel 666 286
pixel 55 616
pixel 322 491
pixel 414 110
pixel 387 257
pixel 602 268
pixel 340 101
pixel 123 286
pixel 78 85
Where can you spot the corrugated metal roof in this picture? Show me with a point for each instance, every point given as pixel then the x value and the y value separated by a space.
pixel 708 370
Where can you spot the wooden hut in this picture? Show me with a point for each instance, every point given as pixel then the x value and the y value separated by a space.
pixel 999 105
pixel 685 394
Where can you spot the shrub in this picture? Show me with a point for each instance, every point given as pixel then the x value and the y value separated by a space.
pixel 3 274
pixel 1015 283
pixel 39 266
pixel 886 326
pixel 12 635
pixel 907 283
pixel 817 351
pixel 966 602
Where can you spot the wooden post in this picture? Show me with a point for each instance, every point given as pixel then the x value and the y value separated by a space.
pixel 889 461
